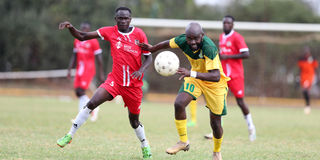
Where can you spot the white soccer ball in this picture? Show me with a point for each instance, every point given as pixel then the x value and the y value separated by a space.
pixel 166 63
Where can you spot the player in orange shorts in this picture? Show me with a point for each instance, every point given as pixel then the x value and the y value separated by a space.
pixel 308 67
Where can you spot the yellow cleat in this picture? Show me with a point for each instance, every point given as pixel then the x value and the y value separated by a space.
pixel 217 156
pixel 178 147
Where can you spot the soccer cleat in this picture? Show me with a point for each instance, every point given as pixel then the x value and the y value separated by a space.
pixel 191 124
pixel 178 147
pixel 208 136
pixel 307 110
pixel 217 156
pixel 64 140
pixel 252 134
pixel 146 152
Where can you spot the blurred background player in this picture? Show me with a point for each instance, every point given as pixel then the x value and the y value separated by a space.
pixel 233 49
pixel 205 77
pixel 308 67
pixel 126 76
pixel 84 56
pixel 193 114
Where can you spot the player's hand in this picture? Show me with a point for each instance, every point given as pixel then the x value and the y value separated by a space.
pixel 183 72
pixel 69 75
pixel 137 75
pixel 65 24
pixel 146 47
pixel 222 57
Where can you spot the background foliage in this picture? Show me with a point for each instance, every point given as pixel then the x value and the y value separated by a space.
pixel 30 39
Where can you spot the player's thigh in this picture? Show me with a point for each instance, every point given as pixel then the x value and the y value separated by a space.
pixel 101 95
pixel 215 120
pixel 236 86
pixel 132 97
pixel 192 87
pixel 306 83
pixel 217 100
pixel 183 99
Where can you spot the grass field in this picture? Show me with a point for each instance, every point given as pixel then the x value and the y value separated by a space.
pixel 30 126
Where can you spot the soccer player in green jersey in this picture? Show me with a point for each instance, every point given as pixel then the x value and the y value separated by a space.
pixel 205 77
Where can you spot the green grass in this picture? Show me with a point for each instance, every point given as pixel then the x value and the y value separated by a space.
pixel 30 126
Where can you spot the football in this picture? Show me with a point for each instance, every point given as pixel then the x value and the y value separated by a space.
pixel 166 63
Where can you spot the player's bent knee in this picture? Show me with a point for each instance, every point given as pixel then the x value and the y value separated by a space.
pixel 134 123
pixel 80 92
pixel 91 105
pixel 178 104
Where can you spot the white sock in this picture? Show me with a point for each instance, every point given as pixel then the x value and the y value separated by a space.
pixel 83 100
pixel 80 119
pixel 249 121
pixel 141 136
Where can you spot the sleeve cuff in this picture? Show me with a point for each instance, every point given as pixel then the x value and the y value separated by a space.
pixel 146 54
pixel 244 49
pixel 98 51
pixel 100 35
pixel 172 43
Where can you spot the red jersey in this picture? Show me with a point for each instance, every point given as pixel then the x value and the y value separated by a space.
pixel 232 43
pixel 86 51
pixel 125 52
pixel 307 69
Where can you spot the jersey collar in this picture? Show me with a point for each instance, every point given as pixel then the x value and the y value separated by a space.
pixel 228 35
pixel 126 34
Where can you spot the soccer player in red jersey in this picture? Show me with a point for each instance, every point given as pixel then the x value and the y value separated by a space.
pixel 126 76
pixel 233 49
pixel 308 67
pixel 84 56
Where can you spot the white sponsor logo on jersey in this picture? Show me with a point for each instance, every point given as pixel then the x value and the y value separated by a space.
pixel 118 45
pixel 229 44
pixel 129 49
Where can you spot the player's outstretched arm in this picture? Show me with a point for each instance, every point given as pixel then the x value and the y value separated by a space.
pixel 212 75
pixel 159 46
pixel 146 63
pixel 82 36
pixel 242 55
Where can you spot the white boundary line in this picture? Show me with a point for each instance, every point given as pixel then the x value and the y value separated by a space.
pixel 36 74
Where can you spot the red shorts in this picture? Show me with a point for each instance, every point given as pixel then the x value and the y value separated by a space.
pixel 236 86
pixel 306 83
pixel 82 81
pixel 131 96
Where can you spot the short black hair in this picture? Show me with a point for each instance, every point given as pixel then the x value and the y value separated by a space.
pixel 123 8
pixel 229 16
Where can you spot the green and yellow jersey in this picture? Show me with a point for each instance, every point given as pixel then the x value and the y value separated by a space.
pixel 202 60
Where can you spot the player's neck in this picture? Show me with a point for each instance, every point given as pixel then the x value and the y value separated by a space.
pixel 227 32
pixel 129 29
